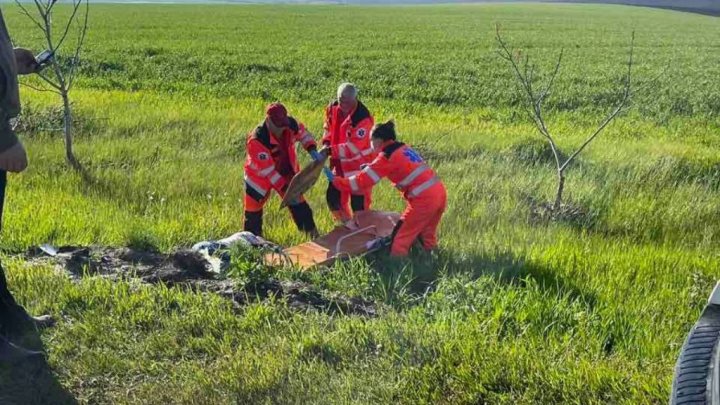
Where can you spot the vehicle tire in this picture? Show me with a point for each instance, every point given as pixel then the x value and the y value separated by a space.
pixel 697 372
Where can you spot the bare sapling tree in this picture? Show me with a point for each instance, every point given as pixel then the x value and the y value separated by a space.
pixel 535 97
pixel 62 57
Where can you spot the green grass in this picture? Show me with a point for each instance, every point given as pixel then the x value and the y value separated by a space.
pixel 592 310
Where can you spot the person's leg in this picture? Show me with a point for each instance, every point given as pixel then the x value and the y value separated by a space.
pixel 253 222
pixel 338 203
pixel 361 202
pixel 16 324
pixel 429 236
pixel 12 316
pixel 254 203
pixel 345 211
pixel 357 202
pixel 407 230
pixel 332 197
pixel 303 216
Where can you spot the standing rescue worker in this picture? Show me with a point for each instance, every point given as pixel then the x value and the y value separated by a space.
pixel 271 163
pixel 16 325
pixel 423 191
pixel 347 142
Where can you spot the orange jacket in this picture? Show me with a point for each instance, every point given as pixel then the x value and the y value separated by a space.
pixel 348 139
pixel 272 162
pixel 402 166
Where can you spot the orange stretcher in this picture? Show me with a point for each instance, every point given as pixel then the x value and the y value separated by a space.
pixel 344 241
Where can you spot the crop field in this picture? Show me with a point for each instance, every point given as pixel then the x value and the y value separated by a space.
pixel 592 308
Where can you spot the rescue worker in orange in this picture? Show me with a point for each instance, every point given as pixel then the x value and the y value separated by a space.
pixel 270 165
pixel 423 191
pixel 347 142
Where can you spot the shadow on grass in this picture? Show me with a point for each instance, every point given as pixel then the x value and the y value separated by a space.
pixel 408 280
pixel 32 382
pixel 108 189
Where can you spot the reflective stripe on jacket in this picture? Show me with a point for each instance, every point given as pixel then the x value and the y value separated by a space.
pixel 271 162
pixel 402 165
pixel 348 138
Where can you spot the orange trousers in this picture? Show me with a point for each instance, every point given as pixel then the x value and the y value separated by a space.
pixel 420 220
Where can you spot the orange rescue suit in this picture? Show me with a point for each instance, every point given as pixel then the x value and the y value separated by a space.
pixel 270 164
pixel 423 191
pixel 348 137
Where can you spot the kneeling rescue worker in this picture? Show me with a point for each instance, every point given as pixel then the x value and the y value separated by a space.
pixel 271 163
pixel 423 191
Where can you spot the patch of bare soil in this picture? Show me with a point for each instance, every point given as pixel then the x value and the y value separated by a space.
pixel 191 269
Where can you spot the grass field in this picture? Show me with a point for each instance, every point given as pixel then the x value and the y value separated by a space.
pixel 588 310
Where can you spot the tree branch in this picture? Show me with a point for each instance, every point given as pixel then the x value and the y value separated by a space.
pixel 49 81
pixel 50 5
pixel 48 28
pixel 81 41
pixel 545 92
pixel 44 89
pixel 63 74
pixel 27 13
pixel 602 126
pixel 620 106
pixel 534 102
pixel 509 57
pixel 506 54
pixel 76 6
pixel 41 10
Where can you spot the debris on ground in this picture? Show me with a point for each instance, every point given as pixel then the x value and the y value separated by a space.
pixel 217 252
pixel 192 269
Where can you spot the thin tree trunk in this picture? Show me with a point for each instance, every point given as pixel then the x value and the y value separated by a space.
pixel 67 131
pixel 560 188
